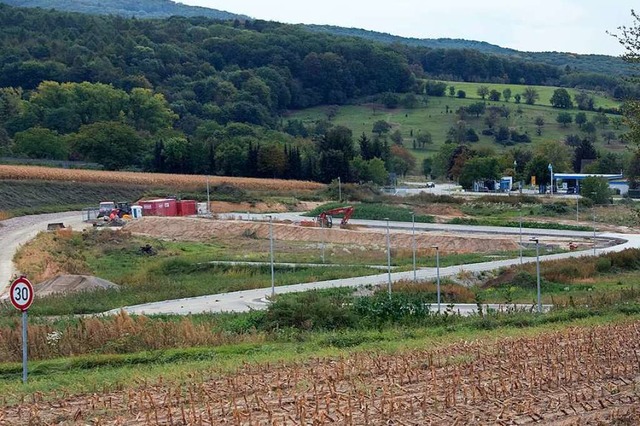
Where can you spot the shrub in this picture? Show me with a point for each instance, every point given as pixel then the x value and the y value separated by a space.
pixel 603 264
pixel 627 259
pixel 310 310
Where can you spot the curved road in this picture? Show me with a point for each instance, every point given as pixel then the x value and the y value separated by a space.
pixel 243 301
pixel 17 231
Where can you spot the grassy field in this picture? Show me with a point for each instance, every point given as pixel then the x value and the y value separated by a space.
pixel 434 119
pixel 545 92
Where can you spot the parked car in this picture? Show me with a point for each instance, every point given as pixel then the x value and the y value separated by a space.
pixel 431 185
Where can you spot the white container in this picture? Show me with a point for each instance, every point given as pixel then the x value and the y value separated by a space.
pixel 202 208
pixel 136 212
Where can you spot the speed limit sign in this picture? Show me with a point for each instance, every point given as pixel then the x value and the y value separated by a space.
pixel 21 294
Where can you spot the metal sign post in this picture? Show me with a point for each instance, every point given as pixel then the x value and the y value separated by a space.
pixel 21 296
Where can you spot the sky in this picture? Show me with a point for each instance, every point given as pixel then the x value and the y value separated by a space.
pixel 577 26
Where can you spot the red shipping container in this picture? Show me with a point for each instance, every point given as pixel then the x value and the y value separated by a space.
pixel 159 207
pixel 187 208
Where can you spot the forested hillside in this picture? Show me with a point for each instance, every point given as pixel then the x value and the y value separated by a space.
pixel 570 61
pixel 128 8
pixel 197 95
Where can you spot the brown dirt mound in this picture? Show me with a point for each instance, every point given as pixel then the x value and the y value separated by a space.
pixel 72 284
pixel 194 229
pixel 227 207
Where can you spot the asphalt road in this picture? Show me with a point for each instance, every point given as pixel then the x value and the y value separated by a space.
pixel 19 230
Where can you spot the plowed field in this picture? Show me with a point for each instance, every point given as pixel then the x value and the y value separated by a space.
pixel 583 376
pixel 193 229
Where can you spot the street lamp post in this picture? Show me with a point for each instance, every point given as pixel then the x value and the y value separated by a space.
pixel 594 225
pixel 208 198
pixel 413 231
pixel 551 170
pixel 577 207
pixel 388 258
pixel 537 241
pixel 521 234
pixel 273 281
pixel 438 274
pixel 323 239
pixel 594 232
pixel 339 189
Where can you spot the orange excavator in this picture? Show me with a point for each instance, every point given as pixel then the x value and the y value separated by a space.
pixel 325 219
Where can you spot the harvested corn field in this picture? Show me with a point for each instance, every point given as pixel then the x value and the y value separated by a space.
pixel 184 182
pixel 578 376
pixel 194 229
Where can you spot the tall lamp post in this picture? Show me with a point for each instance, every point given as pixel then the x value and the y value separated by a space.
pixel 537 241
pixel 520 234
pixel 551 171
pixel 388 258
pixel 323 238
pixel 438 274
pixel 273 281
pixel 339 189
pixel 594 225
pixel 413 234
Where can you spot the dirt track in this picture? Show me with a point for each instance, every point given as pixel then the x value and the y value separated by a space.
pixel 193 229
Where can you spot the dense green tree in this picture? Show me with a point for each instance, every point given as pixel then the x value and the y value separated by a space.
pixel 539 122
pixel 230 159
pixel 506 94
pixel 380 127
pixel 452 91
pixel 461 94
pixel 584 101
pixel 272 161
pixel 596 189
pixel 564 119
pixel 607 163
pixel 427 167
pixel 483 91
pixel 40 143
pixel 114 145
pixel 479 169
pixel 584 151
pixel 494 95
pixel 561 99
pixel 601 119
pixel 477 108
pixel 423 139
pixel 530 95
pixel 517 98
pixel 555 153
pixel 581 118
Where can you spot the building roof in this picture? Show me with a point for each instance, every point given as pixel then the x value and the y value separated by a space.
pixel 582 176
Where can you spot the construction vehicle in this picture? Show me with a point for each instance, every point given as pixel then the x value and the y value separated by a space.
pixel 109 209
pixel 325 219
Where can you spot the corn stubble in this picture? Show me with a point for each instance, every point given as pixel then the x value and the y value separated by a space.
pixel 579 376
pixel 150 179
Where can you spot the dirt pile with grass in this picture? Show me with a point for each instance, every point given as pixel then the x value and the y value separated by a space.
pixel 193 229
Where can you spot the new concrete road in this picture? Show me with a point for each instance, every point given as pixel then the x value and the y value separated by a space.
pixel 243 301
pixel 19 230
